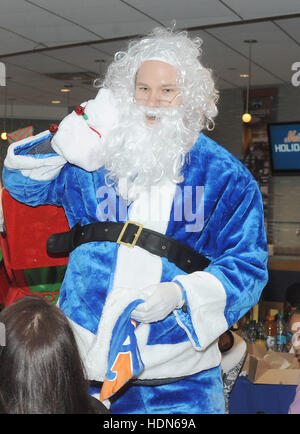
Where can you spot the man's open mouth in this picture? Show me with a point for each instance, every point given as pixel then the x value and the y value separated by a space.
pixel 151 116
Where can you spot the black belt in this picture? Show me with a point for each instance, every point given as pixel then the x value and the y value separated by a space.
pixel 129 234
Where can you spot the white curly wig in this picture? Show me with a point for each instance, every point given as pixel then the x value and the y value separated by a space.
pixel 199 96
pixel 159 150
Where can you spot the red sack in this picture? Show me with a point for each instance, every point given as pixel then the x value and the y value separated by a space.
pixel 27 231
pixel 24 244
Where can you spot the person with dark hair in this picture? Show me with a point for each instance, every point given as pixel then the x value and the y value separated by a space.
pixel 294 327
pixel 234 350
pixel 41 370
pixel 292 294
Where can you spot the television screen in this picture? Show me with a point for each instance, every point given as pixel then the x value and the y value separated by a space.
pixel 284 139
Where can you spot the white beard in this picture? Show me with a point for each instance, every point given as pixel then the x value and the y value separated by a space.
pixel 138 155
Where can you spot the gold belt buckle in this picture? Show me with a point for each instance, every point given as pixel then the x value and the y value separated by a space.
pixel 136 236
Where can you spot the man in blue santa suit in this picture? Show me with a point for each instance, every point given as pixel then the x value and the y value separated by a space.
pixel 137 153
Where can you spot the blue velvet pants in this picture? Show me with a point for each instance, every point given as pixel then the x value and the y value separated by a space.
pixel 198 394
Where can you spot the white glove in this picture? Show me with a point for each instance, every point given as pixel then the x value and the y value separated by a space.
pixel 77 142
pixel 160 300
pixel 102 111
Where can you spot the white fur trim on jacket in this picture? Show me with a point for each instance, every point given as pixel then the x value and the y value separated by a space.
pixel 161 361
pixel 206 298
pixel 42 169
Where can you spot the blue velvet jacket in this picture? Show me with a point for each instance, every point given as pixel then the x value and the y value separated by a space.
pixel 230 233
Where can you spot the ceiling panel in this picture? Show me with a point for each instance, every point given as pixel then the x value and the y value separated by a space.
pixel 106 18
pixel 10 7
pixel 264 33
pixel 291 26
pixel 113 47
pixel 113 30
pixel 40 63
pixel 265 52
pixel 10 42
pixel 40 25
pixel 57 34
pixel 263 8
pixel 204 11
pixel 82 57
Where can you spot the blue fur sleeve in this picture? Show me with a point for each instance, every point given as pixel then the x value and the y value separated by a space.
pixel 241 263
pixel 33 192
pixel 234 239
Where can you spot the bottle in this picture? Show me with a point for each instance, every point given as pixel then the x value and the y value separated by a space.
pixel 289 341
pixel 261 334
pixel 281 339
pixel 271 331
pixel 244 333
pixel 252 332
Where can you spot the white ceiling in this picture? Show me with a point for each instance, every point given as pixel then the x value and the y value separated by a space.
pixel 27 25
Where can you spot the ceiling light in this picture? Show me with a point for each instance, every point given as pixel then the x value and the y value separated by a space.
pixel 244 75
pixel 65 89
pixel 247 116
pixel 55 101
